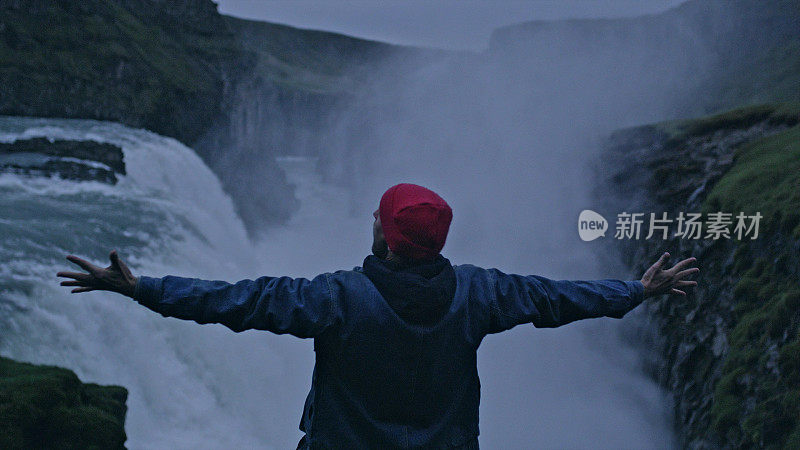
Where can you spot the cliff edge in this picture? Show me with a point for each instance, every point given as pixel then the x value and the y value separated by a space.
pixel 729 352
pixel 49 407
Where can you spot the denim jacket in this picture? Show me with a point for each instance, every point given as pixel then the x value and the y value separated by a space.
pixel 381 379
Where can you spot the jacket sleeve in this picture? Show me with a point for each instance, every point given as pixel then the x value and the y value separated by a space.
pixel 298 306
pixel 517 299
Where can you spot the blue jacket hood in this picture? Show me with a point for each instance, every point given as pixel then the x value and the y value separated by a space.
pixel 419 293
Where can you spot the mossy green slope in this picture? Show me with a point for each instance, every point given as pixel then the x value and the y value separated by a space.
pixel 48 407
pixel 316 61
pixel 757 400
pixel 98 59
pixel 163 66
pixel 728 352
pixel 774 113
pixel 765 177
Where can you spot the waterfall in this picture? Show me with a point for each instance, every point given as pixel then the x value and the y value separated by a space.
pixel 190 386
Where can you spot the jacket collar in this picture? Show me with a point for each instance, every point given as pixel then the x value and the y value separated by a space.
pixel 419 293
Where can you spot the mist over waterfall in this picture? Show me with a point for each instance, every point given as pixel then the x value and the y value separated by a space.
pixel 508 137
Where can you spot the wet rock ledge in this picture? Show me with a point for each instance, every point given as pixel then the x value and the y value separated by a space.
pixel 67 159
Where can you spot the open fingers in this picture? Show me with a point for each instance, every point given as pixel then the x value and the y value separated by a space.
pixel 82 289
pixel 75 275
pixel 114 257
pixel 85 265
pixel 74 283
pixel 117 263
pixel 677 291
pixel 681 264
pixel 686 273
pixel 662 260
pixel 686 283
pixel 657 266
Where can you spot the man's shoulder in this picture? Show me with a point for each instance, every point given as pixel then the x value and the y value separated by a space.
pixel 345 276
pixel 466 267
pixel 469 270
pixel 347 272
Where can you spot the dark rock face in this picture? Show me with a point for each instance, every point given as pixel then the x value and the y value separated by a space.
pixel 239 92
pixel 49 407
pixel 144 63
pixel 166 66
pixel 284 105
pixel 263 121
pixel 687 342
pixel 71 160
pixel 200 16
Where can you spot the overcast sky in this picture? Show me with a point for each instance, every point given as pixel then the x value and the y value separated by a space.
pixel 451 24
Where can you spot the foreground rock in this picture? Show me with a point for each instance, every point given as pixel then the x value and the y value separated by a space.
pixel 49 407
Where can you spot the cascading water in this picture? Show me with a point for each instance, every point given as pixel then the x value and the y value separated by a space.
pixel 190 386
pixel 193 386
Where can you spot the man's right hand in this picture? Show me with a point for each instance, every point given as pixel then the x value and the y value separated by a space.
pixel 657 280
pixel 116 277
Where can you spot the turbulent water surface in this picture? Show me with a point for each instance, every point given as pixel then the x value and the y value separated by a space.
pixel 195 386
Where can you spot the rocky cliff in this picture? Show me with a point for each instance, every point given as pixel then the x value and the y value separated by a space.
pixel 298 80
pixel 143 63
pixel 48 407
pixel 239 92
pixel 71 160
pixel 728 352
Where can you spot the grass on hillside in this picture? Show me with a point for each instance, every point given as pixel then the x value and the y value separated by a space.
pixel 48 407
pixel 97 59
pixel 763 361
pixel 765 178
pixel 780 113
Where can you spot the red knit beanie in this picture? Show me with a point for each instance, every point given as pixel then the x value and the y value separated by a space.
pixel 415 221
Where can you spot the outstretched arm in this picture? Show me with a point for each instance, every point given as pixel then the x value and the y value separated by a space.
pixel 517 299
pixel 298 306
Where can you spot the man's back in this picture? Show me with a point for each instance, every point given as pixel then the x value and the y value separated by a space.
pixel 385 380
